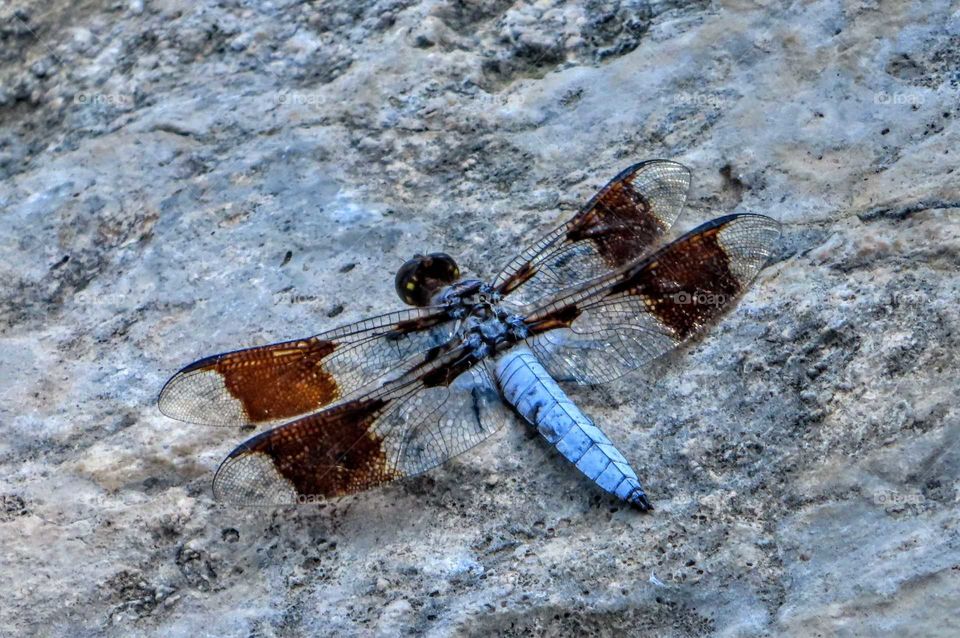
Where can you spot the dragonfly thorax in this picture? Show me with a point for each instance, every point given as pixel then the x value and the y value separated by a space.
pixel 488 327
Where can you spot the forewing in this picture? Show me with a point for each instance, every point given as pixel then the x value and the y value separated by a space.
pixel 619 225
pixel 605 329
pixel 437 410
pixel 284 380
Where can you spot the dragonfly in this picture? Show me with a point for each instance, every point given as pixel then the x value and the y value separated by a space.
pixel 395 395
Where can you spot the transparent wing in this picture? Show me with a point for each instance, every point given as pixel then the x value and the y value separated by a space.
pixel 606 328
pixel 619 225
pixel 407 426
pixel 283 380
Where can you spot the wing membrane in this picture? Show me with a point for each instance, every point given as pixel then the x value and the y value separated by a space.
pixel 283 380
pixel 411 424
pixel 620 224
pixel 611 326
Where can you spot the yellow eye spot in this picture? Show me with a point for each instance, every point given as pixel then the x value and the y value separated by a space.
pixel 411 285
pixel 456 272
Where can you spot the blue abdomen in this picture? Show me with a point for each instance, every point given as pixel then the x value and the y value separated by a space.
pixel 528 387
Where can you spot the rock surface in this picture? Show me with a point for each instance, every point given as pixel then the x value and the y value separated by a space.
pixel 183 178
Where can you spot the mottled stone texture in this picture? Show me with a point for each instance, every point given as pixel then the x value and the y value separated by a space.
pixel 184 177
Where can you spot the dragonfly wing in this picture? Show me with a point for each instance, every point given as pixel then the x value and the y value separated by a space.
pixel 603 330
pixel 283 380
pixel 403 428
pixel 619 225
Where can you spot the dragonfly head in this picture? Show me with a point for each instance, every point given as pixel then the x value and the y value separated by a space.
pixel 421 278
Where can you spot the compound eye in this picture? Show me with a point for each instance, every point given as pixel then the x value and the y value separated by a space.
pixel 421 278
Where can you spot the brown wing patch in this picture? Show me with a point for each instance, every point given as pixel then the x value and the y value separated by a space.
pixel 331 453
pixel 561 316
pixel 413 325
pixel 606 328
pixel 620 221
pixel 279 381
pixel 624 221
pixel 516 279
pixel 292 378
pixel 688 283
pixel 444 373
pixel 255 385
pixel 401 428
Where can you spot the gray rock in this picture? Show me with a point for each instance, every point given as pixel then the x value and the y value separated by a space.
pixel 237 173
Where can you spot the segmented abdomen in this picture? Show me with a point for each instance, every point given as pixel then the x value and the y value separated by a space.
pixel 528 387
